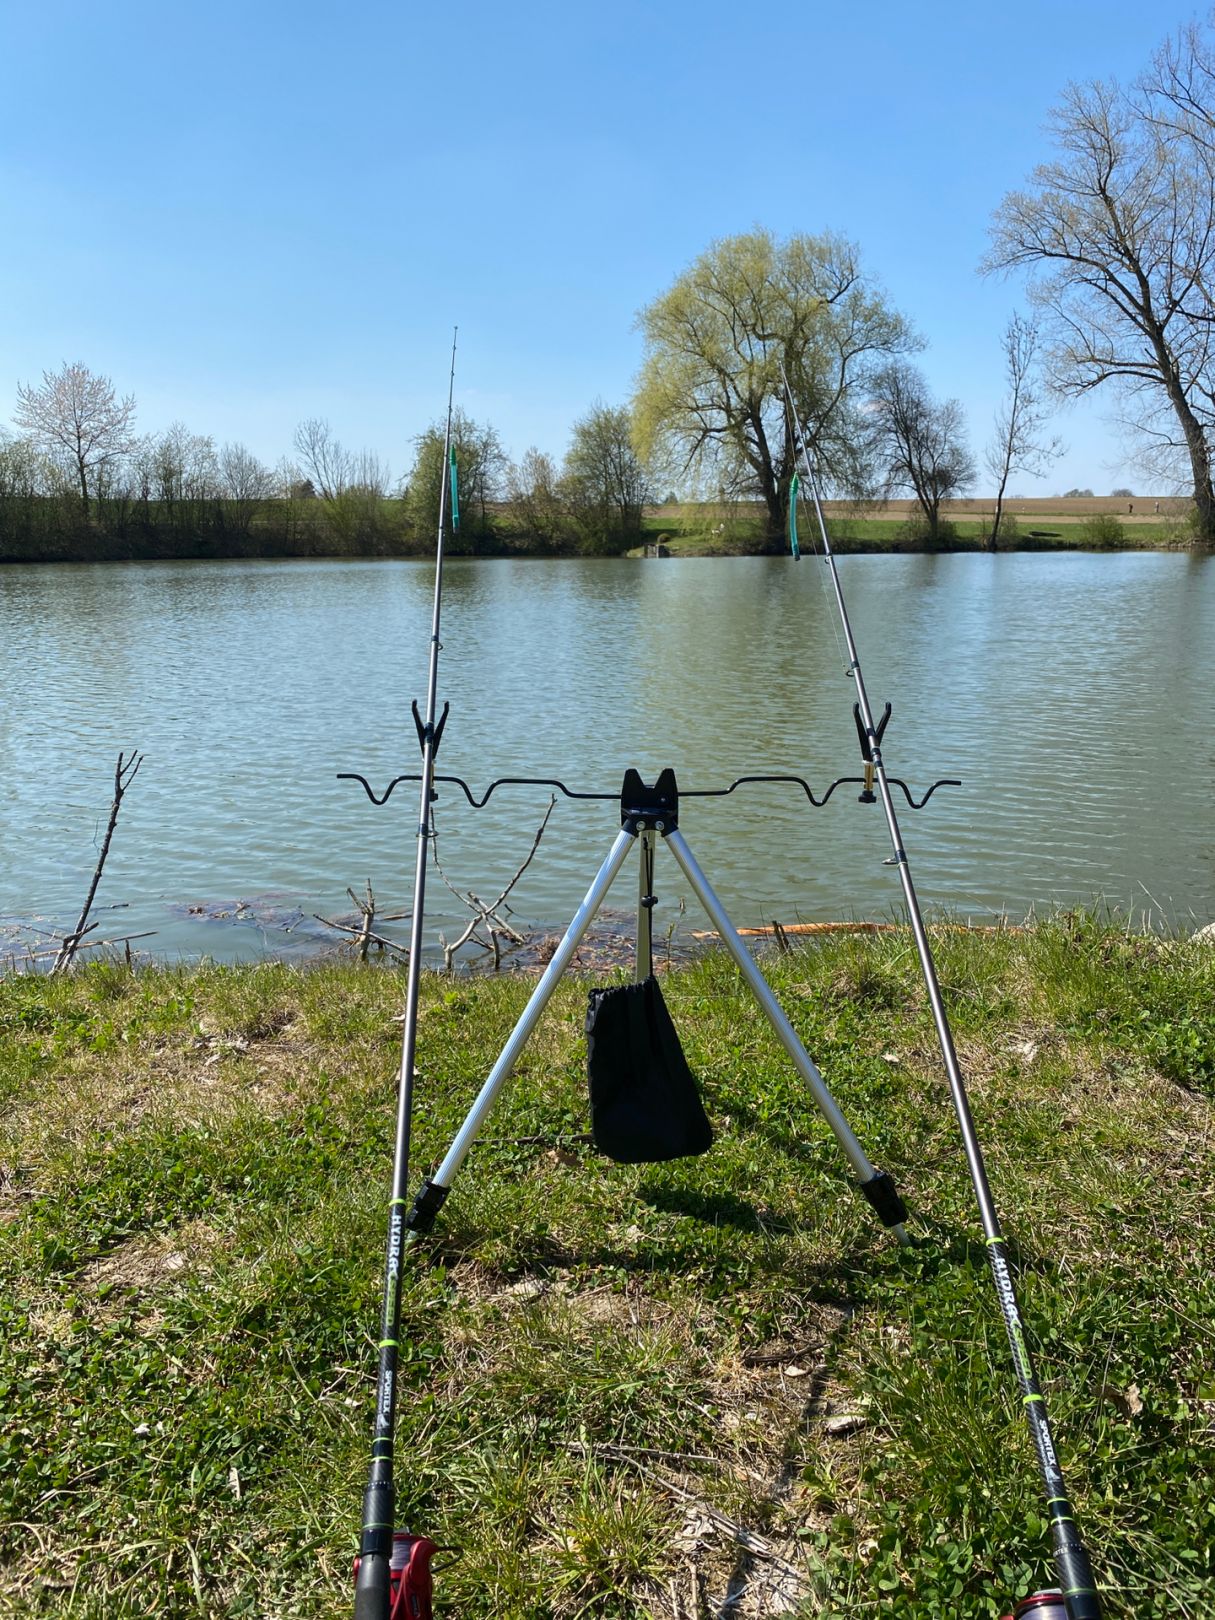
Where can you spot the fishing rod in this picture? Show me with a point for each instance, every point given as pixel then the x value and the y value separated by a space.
pixel 1078 1592
pixel 384 1553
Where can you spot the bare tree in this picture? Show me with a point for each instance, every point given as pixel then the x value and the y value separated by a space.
pixel 1020 443
pixel 1120 231
pixel 1180 89
pixel 185 466
pixel 921 443
pixel 77 416
pixel 352 485
pixel 323 458
pixel 245 483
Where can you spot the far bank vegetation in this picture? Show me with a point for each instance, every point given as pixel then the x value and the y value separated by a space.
pixel 79 483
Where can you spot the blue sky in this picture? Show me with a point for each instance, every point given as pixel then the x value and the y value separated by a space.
pixel 250 214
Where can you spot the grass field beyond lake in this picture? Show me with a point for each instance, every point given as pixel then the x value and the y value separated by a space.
pixel 627 1392
pixel 1041 523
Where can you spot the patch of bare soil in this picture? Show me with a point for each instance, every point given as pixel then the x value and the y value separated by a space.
pixel 147 1261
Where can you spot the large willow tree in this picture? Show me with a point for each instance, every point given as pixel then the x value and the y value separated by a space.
pixel 709 401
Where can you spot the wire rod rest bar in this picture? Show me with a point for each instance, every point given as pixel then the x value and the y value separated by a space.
pixel 478 804
pixel 687 793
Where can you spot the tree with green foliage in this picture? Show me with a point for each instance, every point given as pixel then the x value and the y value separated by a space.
pixel 604 482
pixel 535 501
pixel 1119 234
pixel 481 466
pixel 710 399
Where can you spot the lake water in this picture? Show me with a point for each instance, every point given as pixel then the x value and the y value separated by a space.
pixel 1070 692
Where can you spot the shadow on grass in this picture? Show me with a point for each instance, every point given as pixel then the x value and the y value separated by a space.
pixel 715 1209
pixel 940 1246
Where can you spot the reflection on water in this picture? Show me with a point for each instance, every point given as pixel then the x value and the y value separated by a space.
pixel 1070 692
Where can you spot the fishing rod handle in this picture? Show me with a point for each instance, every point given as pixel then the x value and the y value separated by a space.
pixel 373 1587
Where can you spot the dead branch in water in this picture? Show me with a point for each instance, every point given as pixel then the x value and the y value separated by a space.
pixel 364 932
pixel 488 916
pixel 125 773
pixel 488 928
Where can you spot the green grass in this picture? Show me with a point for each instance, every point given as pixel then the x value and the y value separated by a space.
pixel 601 1359
pixel 694 531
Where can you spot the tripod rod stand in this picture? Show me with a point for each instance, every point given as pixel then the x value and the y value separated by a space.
pixel 646 811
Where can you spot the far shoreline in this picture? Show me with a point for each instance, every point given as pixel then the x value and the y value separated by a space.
pixel 671 530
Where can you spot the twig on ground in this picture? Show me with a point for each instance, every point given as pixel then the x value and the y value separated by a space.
pixel 358 930
pixel 124 940
pixel 367 910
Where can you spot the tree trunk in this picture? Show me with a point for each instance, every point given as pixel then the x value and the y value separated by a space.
pixel 777 520
pixel 993 539
pixel 760 458
pixel 1200 466
pixel 1195 440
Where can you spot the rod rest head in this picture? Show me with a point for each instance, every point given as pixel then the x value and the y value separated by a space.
pixel 644 805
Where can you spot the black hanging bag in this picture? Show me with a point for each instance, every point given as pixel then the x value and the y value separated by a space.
pixel 644 1102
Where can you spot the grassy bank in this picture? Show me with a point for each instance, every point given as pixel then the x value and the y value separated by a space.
pixel 1096 524
pixel 627 1392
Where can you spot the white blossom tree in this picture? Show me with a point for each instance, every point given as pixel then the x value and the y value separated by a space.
pixel 76 417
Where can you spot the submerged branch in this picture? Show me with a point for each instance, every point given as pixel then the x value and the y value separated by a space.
pixel 488 914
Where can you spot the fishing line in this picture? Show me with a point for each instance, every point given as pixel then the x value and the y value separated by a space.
pixel 795 493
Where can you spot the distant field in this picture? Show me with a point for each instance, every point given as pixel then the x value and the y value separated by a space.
pixel 1162 508
pixel 1102 522
pixel 1052 508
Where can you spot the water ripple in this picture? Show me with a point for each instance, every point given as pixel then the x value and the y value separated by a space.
pixel 1069 692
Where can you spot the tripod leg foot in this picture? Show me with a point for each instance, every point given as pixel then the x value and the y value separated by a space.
pixel 889 1208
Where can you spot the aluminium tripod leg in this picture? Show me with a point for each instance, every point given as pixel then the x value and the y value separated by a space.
pixel 433 1192
pixel 878 1189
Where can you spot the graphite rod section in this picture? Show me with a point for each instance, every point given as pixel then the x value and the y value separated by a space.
pixel 1071 1558
pixel 373 1582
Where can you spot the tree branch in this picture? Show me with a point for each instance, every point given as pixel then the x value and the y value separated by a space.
pixel 125 773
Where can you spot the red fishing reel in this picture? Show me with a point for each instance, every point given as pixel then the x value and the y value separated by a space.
pixel 411 1591
pixel 1041 1606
